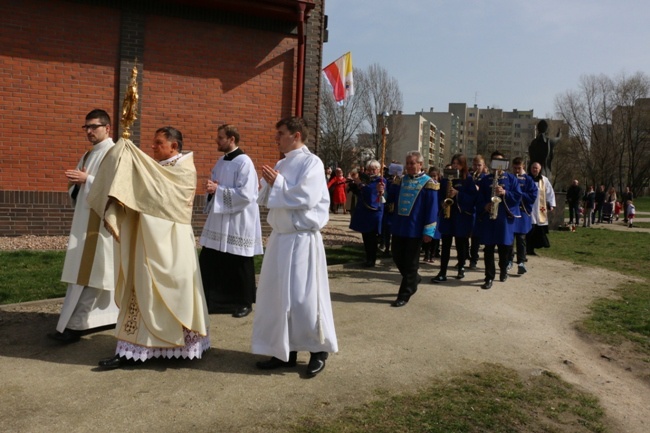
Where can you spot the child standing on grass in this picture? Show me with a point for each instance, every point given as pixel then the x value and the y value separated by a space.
pixel 630 213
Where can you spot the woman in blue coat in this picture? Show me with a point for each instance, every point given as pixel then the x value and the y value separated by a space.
pixel 367 215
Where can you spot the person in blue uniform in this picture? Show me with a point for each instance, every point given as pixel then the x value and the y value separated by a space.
pixel 415 201
pixel 478 171
pixel 394 172
pixel 524 223
pixel 498 230
pixel 456 199
pixel 367 215
pixel 431 250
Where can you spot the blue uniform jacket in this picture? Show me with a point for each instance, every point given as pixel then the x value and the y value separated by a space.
pixel 501 230
pixel 422 217
pixel 528 196
pixel 369 210
pixel 461 221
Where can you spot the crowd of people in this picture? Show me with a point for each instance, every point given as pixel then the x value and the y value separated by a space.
pixel 596 207
pixel 132 261
pixel 503 208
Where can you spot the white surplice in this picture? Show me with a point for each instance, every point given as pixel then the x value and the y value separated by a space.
pixel 294 309
pixel 233 224
pixel 88 268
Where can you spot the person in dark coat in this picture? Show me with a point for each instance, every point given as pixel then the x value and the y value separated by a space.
pixel 367 215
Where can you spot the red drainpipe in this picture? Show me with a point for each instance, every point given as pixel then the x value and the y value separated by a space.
pixel 302 46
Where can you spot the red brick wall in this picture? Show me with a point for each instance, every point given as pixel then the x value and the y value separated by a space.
pixel 61 59
pixel 203 76
pixel 55 66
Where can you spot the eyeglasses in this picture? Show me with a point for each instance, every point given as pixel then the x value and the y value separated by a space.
pixel 93 127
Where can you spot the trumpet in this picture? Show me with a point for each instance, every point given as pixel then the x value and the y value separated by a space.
pixel 494 211
pixel 450 174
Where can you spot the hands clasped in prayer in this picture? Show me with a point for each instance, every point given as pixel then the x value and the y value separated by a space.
pixel 76 176
pixel 269 174
pixel 211 186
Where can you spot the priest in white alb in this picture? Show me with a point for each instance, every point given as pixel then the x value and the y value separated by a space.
pixel 537 237
pixel 294 309
pixel 88 267
pixel 232 234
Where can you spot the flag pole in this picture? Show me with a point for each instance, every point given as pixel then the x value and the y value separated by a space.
pixel 384 133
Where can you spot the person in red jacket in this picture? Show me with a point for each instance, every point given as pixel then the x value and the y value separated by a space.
pixel 337 187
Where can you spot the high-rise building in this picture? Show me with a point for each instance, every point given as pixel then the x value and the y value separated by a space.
pixel 416 132
pixel 509 132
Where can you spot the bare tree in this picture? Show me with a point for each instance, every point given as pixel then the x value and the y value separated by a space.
pixel 587 112
pixel 608 126
pixel 382 95
pixel 631 124
pixel 374 92
pixel 340 123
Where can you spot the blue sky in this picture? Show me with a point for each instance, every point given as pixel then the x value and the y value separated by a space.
pixel 498 53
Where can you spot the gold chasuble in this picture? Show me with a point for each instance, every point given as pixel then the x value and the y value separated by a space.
pixel 148 209
pixel 543 218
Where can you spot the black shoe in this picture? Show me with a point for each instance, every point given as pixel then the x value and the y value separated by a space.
pixel 242 312
pixel 273 363
pixel 461 274
pixel 112 363
pixel 503 276
pixel 472 265
pixel 439 279
pixel 369 264
pixel 399 303
pixel 521 269
pixel 66 337
pixel 316 363
pixel 487 285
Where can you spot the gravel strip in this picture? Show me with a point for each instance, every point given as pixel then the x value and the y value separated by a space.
pixel 332 236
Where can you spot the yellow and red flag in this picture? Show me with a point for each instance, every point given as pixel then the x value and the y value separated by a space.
pixel 339 75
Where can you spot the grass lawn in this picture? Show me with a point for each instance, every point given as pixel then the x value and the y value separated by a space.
pixel 491 399
pixel 642 204
pixel 625 252
pixel 34 275
pixel 30 275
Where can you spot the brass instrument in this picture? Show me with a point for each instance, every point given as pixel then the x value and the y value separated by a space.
pixel 494 210
pixel 450 174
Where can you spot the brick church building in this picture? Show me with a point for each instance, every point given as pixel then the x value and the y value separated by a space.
pixel 201 63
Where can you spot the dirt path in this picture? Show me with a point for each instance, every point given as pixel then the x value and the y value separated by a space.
pixel 525 323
